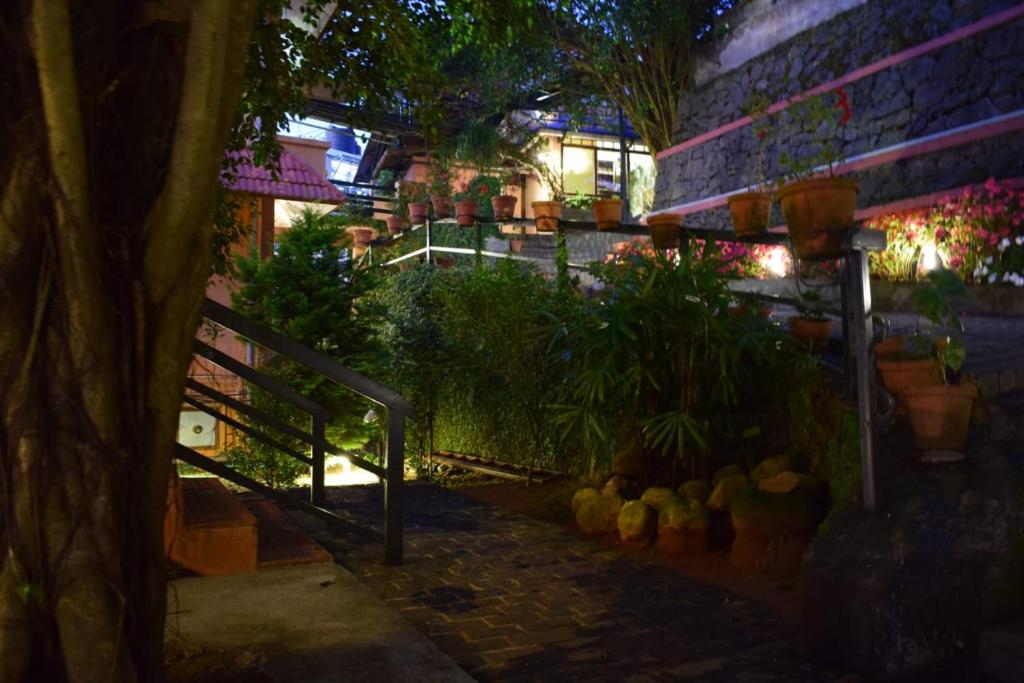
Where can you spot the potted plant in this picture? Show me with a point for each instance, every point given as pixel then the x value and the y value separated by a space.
pixel 751 210
pixel 577 207
pixel 413 197
pixel 608 212
pixel 439 186
pixel 515 241
pixel 811 328
pixel 473 200
pixel 504 205
pixel 362 235
pixel 940 413
pixel 395 224
pixel 666 229
pixel 818 210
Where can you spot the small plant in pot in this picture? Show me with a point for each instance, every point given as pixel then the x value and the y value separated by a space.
pixel 439 186
pixel 811 328
pixel 819 209
pixel 940 413
pixel 412 197
pixel 515 241
pixel 504 205
pixel 666 229
pixel 608 212
pixel 751 211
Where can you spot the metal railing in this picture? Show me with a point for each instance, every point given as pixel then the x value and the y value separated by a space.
pixel 256 422
pixel 858 327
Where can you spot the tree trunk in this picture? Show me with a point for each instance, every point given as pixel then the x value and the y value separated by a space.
pixel 105 249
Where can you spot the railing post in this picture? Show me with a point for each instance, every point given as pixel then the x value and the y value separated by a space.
pixel 858 290
pixel 395 467
pixel 426 236
pixel 316 470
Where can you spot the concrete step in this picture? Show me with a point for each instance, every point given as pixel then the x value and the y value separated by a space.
pixel 281 541
pixel 217 535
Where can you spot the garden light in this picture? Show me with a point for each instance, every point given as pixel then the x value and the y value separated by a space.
pixel 775 262
pixel 929 256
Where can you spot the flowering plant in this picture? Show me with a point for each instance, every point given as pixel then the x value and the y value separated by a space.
pixel 824 123
pixel 757 110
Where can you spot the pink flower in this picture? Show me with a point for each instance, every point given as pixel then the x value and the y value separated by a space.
pixel 956 261
pixel 991 185
pixel 941 234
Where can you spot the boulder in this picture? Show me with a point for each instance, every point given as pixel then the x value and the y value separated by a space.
pixel 599 514
pixel 582 496
pixel 626 463
pixel 727 487
pixel 636 522
pixel 769 467
pixel 656 495
pixel 772 530
pixel 784 482
pixel 617 484
pixel 683 526
pixel 698 489
pixel 727 471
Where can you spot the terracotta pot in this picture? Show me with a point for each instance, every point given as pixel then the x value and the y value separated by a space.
pixel 442 206
pixel 818 212
pixel 362 236
pixel 515 246
pixel 811 333
pixel 465 212
pixel 760 310
pixel 418 212
pixel 608 213
pixel 900 375
pixel 940 414
pixel 394 224
pixel 750 212
pixel 444 261
pixel 546 215
pixel 666 229
pixel 504 207
pixel 890 347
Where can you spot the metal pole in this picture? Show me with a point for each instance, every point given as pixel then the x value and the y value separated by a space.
pixel 479 242
pixel 316 470
pixel 861 336
pixel 395 466
pixel 623 169
pixel 426 233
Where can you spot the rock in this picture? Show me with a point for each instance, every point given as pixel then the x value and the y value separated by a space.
pixel 599 514
pixel 769 467
pixel 698 489
pixel 582 496
pixel 683 527
pixel 636 522
pixel 626 463
pixel 617 484
pixel 784 482
pixel 656 495
pixel 722 495
pixel 727 471
pixel 772 530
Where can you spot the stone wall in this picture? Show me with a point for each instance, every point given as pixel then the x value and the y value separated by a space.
pixel 966 82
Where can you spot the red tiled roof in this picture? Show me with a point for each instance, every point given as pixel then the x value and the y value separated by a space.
pixel 296 180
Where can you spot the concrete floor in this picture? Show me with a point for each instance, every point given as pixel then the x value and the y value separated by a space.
pixel 300 624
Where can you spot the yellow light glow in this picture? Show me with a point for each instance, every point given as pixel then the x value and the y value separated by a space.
pixel 775 262
pixel 929 256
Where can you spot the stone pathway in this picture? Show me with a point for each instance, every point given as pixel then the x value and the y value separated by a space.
pixel 515 599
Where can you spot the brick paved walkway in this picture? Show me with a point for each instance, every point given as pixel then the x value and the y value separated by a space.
pixel 515 599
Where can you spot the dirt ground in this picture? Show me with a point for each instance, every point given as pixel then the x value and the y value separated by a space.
pixel 550 502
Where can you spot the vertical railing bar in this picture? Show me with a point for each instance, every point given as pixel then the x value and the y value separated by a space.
pixel 426 235
pixel 316 472
pixel 859 292
pixel 395 467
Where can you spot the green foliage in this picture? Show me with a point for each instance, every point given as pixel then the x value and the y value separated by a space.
pixel 480 189
pixel 822 118
pixel 579 201
pixel 934 301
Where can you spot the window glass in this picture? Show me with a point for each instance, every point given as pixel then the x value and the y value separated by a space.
pixel 608 172
pixel 642 173
pixel 577 170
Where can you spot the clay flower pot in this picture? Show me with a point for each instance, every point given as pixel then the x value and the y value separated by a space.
pixel 546 215
pixel 810 332
pixel 818 212
pixel 418 212
pixel 504 207
pixel 608 213
pixel 900 375
pixel 465 212
pixel 515 245
pixel 890 347
pixel 940 414
pixel 394 224
pixel 362 236
pixel 442 206
pixel 750 212
pixel 666 229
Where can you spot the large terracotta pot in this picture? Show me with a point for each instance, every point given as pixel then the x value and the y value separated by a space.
pixel 394 224
pixel 546 215
pixel 810 332
pixel 890 347
pixel 504 207
pixel 465 212
pixel 666 229
pixel 750 212
pixel 362 236
pixel 608 213
pixel 940 414
pixel 418 212
pixel 818 212
pixel 442 206
pixel 899 375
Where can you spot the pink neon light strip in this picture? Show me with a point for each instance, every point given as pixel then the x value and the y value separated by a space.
pixel 930 143
pixel 863 72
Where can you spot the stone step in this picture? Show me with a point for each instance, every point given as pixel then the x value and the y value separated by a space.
pixel 217 535
pixel 280 540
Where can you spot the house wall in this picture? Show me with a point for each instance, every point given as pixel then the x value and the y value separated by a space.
pixel 313 152
pixel 937 90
